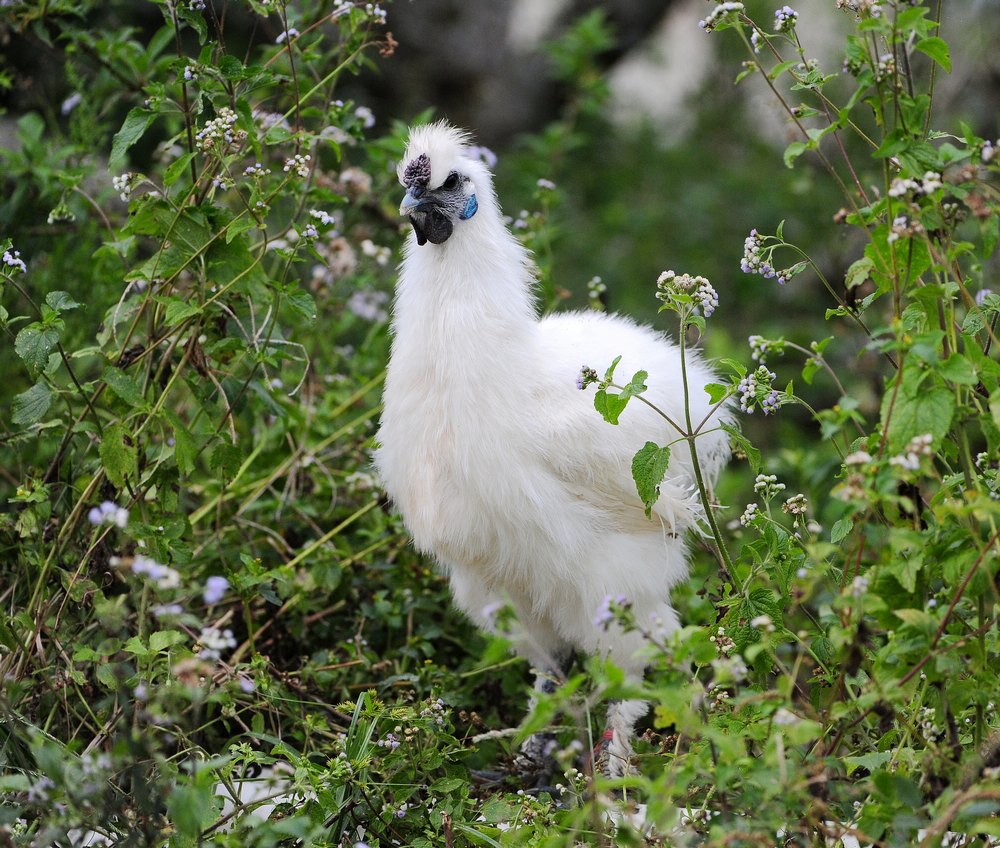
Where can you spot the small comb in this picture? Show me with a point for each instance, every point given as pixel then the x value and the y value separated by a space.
pixel 418 172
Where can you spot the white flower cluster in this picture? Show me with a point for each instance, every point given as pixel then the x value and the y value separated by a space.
pixel 214 641
pixel 197 5
pixel 256 171
pixel 761 348
pixel 717 14
pixel 723 642
pixel 796 505
pixel 903 186
pixel 784 19
pixel 754 262
pixel 767 486
pixel 435 710
pixel 289 34
pixel 124 185
pixel 220 130
pixel 325 218
pixel 191 73
pixel 699 288
pixel 871 8
pixel 918 447
pixel 163 576
pixel 12 259
pixel 749 514
pixel 989 152
pixel 859 585
pixel 380 253
pixel 109 513
pixel 903 227
pixel 606 612
pixel 298 163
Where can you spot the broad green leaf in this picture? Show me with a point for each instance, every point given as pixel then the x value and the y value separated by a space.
pixel 34 344
pixel 178 310
pixel 191 808
pixel 124 386
pixel 29 406
pixel 136 123
pixel 716 392
pixel 937 49
pixel 648 467
pixel 610 406
pixel 162 639
pixel 841 529
pixel 794 151
pixel 957 369
pixel 859 271
pixel 61 301
pixel 920 407
pixel 119 455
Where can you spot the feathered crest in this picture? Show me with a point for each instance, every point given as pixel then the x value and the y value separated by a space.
pixel 431 152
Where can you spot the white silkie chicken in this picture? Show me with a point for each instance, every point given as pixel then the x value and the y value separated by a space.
pixel 500 466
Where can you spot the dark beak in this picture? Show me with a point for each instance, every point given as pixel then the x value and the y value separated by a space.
pixel 427 216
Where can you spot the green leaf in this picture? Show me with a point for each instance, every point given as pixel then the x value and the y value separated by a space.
pixel 191 808
pixel 178 310
pixel 124 386
pixel 136 123
pixel 918 409
pixel 794 151
pixel 870 762
pixel 957 369
pixel 858 272
pixel 716 392
pixel 119 455
pixel 176 169
pixel 303 303
pixel 610 406
pixel 34 344
pixel 937 49
pixel 648 467
pixel 61 301
pixel 841 529
pixel 162 639
pixel 744 446
pixel 31 405
pixel 185 448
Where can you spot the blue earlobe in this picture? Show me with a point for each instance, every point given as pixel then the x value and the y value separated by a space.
pixel 470 208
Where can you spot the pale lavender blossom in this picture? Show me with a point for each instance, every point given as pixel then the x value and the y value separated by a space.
pixel 215 589
pixel 12 259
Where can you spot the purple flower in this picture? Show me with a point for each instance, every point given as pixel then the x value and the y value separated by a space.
pixel 215 589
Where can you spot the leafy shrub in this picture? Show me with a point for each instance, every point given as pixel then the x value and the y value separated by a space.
pixel 201 583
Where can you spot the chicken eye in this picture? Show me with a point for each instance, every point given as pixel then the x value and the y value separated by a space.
pixel 451 182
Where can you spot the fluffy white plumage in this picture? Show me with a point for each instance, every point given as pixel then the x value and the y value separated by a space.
pixel 500 466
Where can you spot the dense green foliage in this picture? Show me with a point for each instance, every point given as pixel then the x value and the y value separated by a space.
pixel 200 579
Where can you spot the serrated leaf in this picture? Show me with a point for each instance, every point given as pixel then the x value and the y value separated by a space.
pixel 226 460
pixel 34 344
pixel 957 369
pixel 303 303
pixel 648 467
pixel 178 310
pixel 841 529
pixel 176 169
pixel 918 409
pixel 716 392
pixel 124 386
pixel 137 121
pixel 870 762
pixel 858 272
pixel 610 406
pixel 743 444
pixel 163 639
pixel 937 49
pixel 119 455
pixel 61 301
pixel 29 406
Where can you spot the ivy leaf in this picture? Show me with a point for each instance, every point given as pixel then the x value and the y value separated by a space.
pixel 30 406
pixel 119 455
pixel 648 467
pixel 34 344
pixel 937 49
